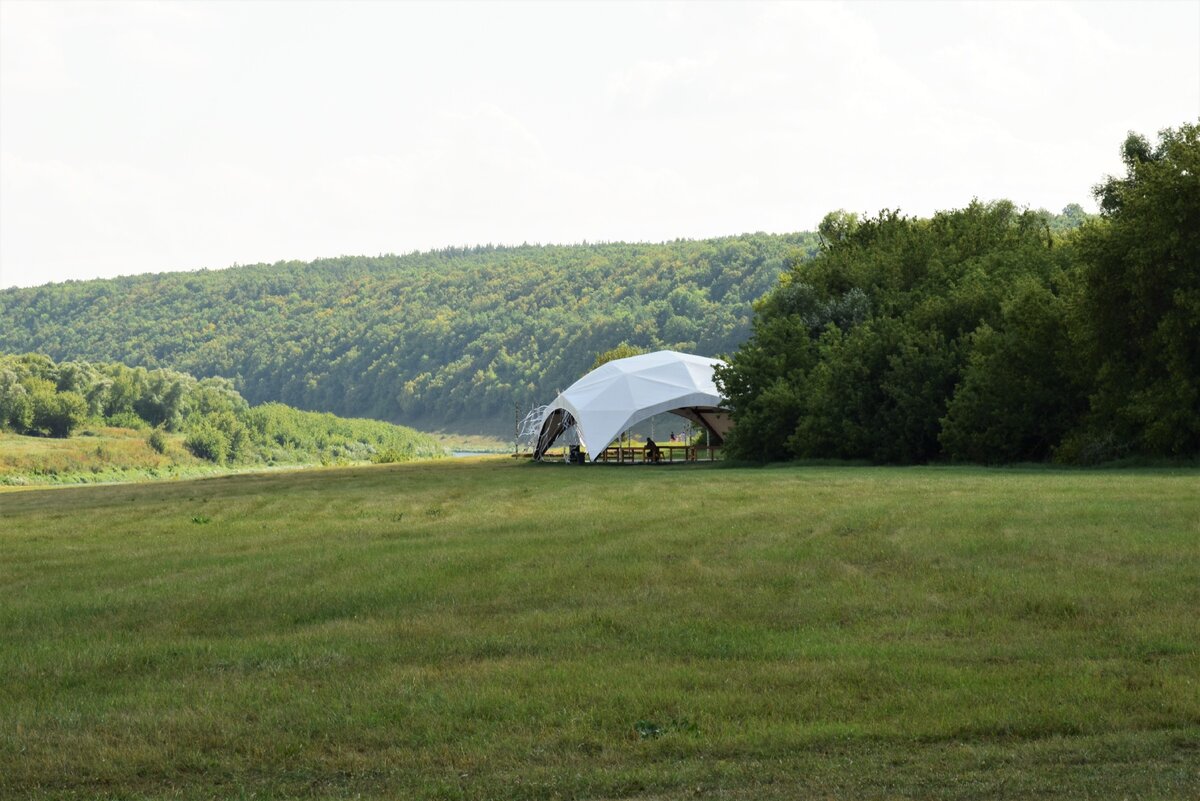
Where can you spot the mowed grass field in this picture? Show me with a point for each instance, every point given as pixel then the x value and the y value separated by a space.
pixel 488 630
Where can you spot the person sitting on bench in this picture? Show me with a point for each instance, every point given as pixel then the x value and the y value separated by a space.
pixel 653 452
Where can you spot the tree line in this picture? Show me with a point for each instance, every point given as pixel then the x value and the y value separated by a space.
pixel 988 334
pixel 447 339
pixel 40 397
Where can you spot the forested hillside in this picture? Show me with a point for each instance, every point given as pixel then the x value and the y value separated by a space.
pixel 449 339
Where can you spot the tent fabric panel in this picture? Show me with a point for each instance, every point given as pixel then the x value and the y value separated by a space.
pixel 553 425
pixel 607 433
pixel 717 422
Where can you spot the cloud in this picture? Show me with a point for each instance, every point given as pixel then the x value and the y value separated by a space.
pixel 649 85
pixel 155 136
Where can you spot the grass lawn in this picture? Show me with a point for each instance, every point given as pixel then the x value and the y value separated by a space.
pixel 483 629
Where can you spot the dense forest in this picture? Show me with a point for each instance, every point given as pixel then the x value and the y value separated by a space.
pixel 988 334
pixel 449 339
pixel 39 397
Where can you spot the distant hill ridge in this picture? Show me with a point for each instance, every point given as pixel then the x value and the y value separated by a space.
pixel 444 339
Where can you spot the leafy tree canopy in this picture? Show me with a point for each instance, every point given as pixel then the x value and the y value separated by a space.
pixel 989 333
pixel 622 351
pixel 41 398
pixel 1139 310
pixel 444 339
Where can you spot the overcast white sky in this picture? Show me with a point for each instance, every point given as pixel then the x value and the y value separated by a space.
pixel 169 136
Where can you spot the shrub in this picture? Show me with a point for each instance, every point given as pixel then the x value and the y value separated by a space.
pixel 207 442
pixel 16 411
pixel 126 420
pixel 389 456
pixel 59 413
pixel 157 440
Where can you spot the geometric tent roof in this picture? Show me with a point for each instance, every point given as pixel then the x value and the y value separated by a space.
pixel 623 392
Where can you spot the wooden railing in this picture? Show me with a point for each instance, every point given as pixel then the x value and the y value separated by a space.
pixel 632 454
pixel 636 454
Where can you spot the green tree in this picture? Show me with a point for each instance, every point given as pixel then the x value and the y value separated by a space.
pixel 622 351
pixel 858 352
pixel 161 400
pixel 125 387
pixel 235 433
pixel 206 441
pixel 1021 392
pixel 1071 217
pixel 16 408
pixel 1139 312
pixel 837 226
pixel 59 413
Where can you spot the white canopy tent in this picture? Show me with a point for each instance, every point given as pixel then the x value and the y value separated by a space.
pixel 624 392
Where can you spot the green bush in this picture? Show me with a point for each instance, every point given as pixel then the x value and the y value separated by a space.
pixel 127 419
pixel 389 456
pixel 157 440
pixel 206 441
pixel 38 396
pixel 16 410
pixel 59 413
pixel 236 435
